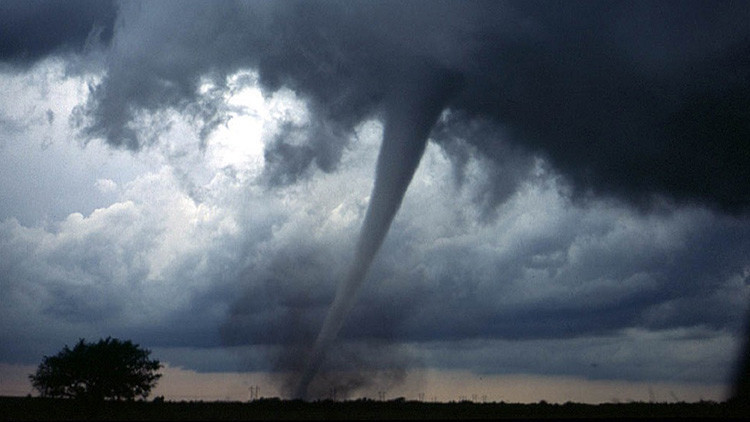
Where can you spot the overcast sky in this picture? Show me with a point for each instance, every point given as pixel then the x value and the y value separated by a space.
pixel 194 176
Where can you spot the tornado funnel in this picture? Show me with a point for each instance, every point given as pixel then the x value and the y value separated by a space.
pixel 411 110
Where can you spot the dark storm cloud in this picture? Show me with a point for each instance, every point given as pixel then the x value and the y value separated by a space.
pixel 577 278
pixel 504 165
pixel 620 109
pixel 32 29
pixel 564 284
pixel 290 290
pixel 636 100
pixel 319 142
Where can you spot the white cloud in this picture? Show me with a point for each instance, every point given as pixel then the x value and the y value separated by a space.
pixel 106 185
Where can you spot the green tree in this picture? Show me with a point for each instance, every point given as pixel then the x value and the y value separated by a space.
pixel 109 369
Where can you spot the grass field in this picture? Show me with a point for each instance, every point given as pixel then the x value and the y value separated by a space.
pixel 34 408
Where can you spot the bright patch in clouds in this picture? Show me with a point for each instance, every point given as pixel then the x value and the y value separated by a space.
pixel 238 143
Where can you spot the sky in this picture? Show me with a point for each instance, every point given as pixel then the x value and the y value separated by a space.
pixel 570 184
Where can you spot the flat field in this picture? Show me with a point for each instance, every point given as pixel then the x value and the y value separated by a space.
pixel 34 408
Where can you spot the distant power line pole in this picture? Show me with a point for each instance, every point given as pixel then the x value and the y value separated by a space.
pixel 333 393
pixel 254 392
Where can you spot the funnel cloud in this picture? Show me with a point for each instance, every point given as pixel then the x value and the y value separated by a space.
pixel 411 112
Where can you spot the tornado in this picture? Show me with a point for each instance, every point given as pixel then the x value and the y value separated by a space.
pixel 411 110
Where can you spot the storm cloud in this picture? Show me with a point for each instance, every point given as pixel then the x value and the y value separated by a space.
pixel 629 99
pixel 585 180
pixel 34 29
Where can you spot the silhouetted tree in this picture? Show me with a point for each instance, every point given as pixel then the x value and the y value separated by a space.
pixel 109 369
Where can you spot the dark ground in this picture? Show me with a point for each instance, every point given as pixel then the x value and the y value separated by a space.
pixel 34 408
